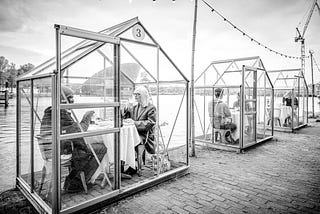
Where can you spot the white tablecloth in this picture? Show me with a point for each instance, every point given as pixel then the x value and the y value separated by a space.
pixel 235 115
pixel 285 112
pixel 129 138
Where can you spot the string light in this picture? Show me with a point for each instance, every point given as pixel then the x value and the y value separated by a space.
pixel 245 34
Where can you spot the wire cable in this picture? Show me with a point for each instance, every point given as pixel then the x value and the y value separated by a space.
pixel 248 36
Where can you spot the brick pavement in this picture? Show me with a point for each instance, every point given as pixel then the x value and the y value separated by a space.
pixel 280 176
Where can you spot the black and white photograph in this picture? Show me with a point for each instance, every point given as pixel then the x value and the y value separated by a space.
pixel 159 106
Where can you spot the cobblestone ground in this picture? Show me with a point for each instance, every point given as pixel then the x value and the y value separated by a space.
pixel 280 176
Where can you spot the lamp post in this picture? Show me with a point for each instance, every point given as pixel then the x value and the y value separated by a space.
pixel 193 153
pixel 192 131
pixel 312 83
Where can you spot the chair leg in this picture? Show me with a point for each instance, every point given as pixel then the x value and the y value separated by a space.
pixel 43 176
pixel 83 180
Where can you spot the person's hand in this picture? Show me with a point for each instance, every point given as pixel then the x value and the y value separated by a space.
pixel 89 114
pixel 128 121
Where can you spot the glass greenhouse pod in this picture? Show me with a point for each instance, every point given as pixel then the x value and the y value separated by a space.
pixel 76 161
pixel 291 99
pixel 233 99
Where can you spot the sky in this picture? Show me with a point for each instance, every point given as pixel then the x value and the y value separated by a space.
pixel 27 32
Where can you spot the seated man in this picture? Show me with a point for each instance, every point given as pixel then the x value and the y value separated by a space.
pixel 144 116
pixel 82 157
pixel 220 114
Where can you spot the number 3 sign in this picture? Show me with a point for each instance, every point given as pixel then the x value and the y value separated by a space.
pixel 138 32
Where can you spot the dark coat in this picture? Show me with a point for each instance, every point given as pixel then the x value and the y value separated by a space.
pixel 145 122
pixel 82 157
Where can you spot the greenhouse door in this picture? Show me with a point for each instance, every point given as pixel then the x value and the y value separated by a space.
pixel 91 70
pixel 249 106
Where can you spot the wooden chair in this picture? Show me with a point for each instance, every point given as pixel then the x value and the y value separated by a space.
pixel 45 145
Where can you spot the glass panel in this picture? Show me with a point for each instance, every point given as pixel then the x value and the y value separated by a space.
pixel 42 103
pixel 257 100
pixel 306 106
pixel 25 131
pixel 264 104
pixel 223 126
pixel 250 100
pixel 87 83
pixel 202 115
pixel 138 63
pixel 92 77
pixel 290 85
pixel 137 33
pixel 170 149
pixel 86 119
pixel 172 127
pixel 93 158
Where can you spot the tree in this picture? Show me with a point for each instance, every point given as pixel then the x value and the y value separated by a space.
pixel 25 68
pixel 4 65
pixel 8 72
pixel 11 74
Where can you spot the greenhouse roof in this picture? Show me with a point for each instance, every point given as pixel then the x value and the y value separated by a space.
pixel 227 72
pixel 145 52
pixel 286 78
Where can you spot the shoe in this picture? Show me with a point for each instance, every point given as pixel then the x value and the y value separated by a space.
pixel 125 176
pixel 130 171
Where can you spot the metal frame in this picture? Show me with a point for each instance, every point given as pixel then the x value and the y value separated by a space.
pixel 56 75
pixel 298 76
pixel 253 64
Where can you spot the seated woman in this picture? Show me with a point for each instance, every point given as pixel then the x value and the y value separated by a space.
pixel 220 114
pixel 287 101
pixel 144 116
pixel 82 158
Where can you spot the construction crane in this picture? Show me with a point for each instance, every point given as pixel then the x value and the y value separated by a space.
pixel 300 35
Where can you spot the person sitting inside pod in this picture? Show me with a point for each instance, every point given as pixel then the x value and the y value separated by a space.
pixel 220 114
pixel 82 159
pixel 144 116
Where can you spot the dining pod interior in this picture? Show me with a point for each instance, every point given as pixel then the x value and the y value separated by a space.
pixel 233 99
pixel 103 119
pixel 290 99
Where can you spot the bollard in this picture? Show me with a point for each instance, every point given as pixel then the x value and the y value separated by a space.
pixel 6 98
